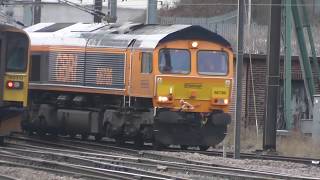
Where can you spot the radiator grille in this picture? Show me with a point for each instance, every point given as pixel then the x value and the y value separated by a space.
pixel 105 70
pixel 66 67
pixel 91 69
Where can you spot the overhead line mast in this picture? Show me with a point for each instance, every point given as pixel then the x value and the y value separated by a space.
pixel 273 76
pixel 239 66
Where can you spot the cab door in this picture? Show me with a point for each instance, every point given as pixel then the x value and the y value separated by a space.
pixel 142 76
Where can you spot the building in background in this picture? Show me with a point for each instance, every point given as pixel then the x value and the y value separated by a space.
pixel 53 11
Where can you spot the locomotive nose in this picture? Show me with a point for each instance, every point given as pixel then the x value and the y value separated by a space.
pixel 195 94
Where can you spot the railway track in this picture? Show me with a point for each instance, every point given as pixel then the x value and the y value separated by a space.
pixel 131 151
pixel 119 163
pixel 92 155
pixel 308 161
pixel 4 177
pixel 88 171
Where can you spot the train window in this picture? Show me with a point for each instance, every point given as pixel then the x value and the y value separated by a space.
pixel 35 67
pixel 174 61
pixel 17 52
pixel 146 62
pixel 212 63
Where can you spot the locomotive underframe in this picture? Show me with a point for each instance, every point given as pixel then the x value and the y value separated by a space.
pixel 89 114
pixel 190 129
pixel 109 116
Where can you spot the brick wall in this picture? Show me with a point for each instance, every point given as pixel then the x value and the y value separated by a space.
pixel 256 92
pixel 259 72
pixel 244 92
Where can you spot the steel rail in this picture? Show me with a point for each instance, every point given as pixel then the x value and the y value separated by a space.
pixel 118 165
pixel 167 167
pixel 130 151
pixel 204 170
pixel 94 172
pixel 5 177
pixel 301 160
pixel 68 172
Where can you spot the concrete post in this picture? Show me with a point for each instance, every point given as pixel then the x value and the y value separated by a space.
pixel 37 12
pixel 152 14
pixel 27 14
pixel 239 66
pixel 97 7
pixel 316 120
pixel 112 11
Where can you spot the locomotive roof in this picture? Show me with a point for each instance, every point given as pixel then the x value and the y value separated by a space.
pixel 120 36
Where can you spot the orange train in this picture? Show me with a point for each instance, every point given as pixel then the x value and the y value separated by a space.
pixel 131 82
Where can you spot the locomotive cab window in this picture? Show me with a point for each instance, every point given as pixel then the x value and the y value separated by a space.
pixel 17 54
pixel 212 63
pixel 146 62
pixel 174 61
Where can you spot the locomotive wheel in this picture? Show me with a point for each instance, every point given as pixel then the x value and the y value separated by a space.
pixel 119 141
pixel 158 145
pixel 184 147
pixel 41 133
pixel 72 136
pixel 204 148
pixel 138 142
pixel 54 134
pixel 84 136
pixel 97 137
pixel 30 133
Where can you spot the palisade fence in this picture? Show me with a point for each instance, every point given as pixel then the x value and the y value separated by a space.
pixel 255 38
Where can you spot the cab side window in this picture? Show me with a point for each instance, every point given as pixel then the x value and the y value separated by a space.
pixel 146 62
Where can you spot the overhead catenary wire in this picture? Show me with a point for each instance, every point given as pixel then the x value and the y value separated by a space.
pixel 17 2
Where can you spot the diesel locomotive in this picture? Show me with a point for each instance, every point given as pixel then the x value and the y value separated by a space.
pixel 165 84
pixel 14 60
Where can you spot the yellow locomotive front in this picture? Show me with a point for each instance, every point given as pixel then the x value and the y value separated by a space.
pixel 192 92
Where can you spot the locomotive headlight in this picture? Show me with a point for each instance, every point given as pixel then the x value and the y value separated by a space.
pixel 220 101
pixel 194 44
pixel 163 99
